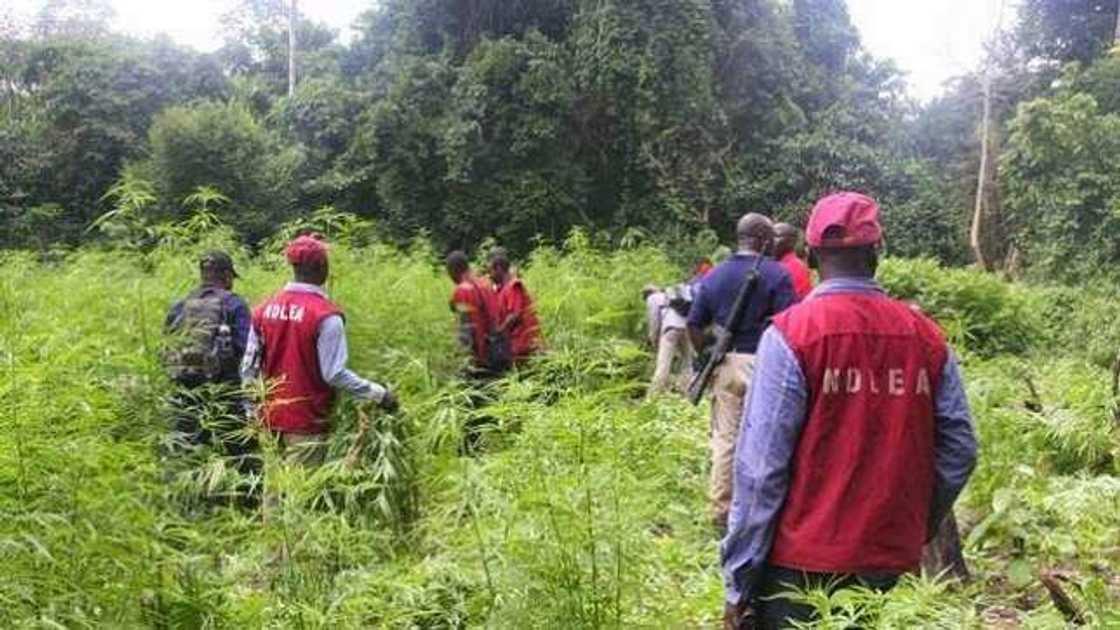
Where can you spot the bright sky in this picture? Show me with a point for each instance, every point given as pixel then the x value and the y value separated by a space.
pixel 931 40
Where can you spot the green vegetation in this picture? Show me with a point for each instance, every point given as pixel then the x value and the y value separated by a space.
pixel 516 121
pixel 606 143
pixel 582 504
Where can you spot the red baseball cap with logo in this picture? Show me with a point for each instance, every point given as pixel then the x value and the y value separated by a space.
pixel 306 249
pixel 845 219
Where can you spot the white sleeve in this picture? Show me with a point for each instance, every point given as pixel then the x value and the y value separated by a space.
pixel 333 355
pixel 653 316
pixel 251 361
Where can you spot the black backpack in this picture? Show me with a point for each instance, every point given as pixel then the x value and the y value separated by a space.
pixel 680 299
pixel 499 355
pixel 200 346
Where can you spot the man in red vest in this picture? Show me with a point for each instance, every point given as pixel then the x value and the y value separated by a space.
pixel 476 304
pixel 785 252
pixel 297 341
pixel 856 438
pixel 517 315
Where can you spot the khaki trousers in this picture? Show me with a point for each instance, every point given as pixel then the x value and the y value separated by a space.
pixel 672 346
pixel 730 385
pixel 306 450
pixel 309 451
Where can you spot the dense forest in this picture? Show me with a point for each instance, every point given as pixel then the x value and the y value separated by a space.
pixel 519 120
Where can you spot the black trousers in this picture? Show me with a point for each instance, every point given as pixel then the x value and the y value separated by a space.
pixel 212 416
pixel 773 612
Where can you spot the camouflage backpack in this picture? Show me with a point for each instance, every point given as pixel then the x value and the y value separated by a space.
pixel 200 347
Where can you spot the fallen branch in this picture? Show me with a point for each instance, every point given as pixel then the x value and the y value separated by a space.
pixel 943 554
pixel 1062 601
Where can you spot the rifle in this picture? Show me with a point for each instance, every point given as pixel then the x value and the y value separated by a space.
pixel 700 381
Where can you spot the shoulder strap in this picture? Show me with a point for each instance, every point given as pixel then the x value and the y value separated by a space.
pixel 742 300
pixel 198 293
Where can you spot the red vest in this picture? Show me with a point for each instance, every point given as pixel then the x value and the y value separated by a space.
pixel 299 399
pixel 476 298
pixel 799 274
pixel 862 474
pixel 513 297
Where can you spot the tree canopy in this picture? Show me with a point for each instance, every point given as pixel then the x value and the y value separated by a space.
pixel 515 120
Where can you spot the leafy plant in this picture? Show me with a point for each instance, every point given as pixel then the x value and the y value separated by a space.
pixel 558 496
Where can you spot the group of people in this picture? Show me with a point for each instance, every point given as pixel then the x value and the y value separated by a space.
pixel 498 323
pixel 840 431
pixel 667 310
pixel 295 340
pixel 294 344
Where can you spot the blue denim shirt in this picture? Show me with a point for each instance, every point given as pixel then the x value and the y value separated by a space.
pixel 772 420
pixel 718 290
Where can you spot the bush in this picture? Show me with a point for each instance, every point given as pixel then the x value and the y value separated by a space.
pixel 222 146
pixel 1085 319
pixel 977 310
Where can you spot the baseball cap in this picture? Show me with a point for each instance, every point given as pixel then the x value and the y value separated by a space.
pixel 845 219
pixel 305 249
pixel 218 261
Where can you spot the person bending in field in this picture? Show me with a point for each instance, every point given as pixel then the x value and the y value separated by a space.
pixel 516 313
pixel 786 238
pixel 667 321
pixel 475 303
pixel 206 336
pixel 713 303
pixel 297 342
pixel 857 436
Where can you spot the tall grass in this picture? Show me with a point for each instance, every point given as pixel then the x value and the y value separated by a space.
pixel 579 502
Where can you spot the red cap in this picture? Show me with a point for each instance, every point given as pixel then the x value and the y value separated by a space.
pixel 844 219
pixel 305 249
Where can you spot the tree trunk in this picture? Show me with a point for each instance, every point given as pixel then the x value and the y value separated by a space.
pixel 292 49
pixel 986 186
pixel 975 235
pixel 1062 601
pixel 1116 38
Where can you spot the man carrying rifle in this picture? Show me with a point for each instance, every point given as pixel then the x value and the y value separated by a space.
pixel 761 288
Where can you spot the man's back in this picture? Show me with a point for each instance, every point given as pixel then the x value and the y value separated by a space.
pixel 514 299
pixel 772 294
pixel 288 324
pixel 209 328
pixel 731 378
pixel 871 366
pixel 476 301
pixel 799 274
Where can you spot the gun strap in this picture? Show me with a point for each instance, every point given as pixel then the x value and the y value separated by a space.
pixel 734 318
